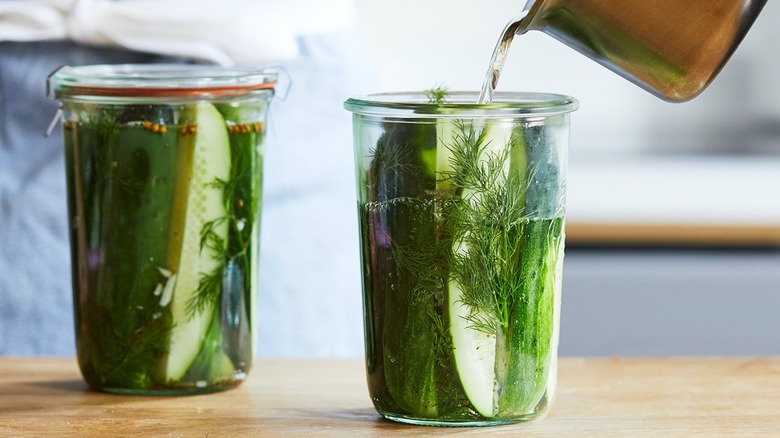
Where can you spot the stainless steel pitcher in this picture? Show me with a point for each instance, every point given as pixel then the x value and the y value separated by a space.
pixel 671 48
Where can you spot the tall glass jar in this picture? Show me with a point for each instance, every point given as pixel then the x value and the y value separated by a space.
pixel 461 209
pixel 164 168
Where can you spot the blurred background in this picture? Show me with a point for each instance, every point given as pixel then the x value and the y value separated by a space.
pixel 674 209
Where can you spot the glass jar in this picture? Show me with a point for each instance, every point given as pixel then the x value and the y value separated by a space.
pixel 163 169
pixel 461 212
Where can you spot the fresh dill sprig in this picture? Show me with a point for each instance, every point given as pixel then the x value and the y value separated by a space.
pixel 442 340
pixel 210 238
pixel 209 288
pixel 129 352
pixel 486 222
pixel 437 95
pixel 389 164
pixel 392 161
pixel 482 226
pixel 103 124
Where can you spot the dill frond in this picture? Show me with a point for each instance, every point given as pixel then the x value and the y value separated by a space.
pixel 437 95
pixel 486 221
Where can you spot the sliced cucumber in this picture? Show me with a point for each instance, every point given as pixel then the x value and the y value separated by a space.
pixel 474 350
pixel 210 161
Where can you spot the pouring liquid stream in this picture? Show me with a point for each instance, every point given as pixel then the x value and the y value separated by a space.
pixel 498 58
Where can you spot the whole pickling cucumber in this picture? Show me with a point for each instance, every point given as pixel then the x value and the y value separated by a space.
pixel 125 207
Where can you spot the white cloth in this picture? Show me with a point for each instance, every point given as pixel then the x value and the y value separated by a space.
pixel 226 32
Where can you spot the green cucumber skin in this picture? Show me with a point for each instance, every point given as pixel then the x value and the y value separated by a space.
pixel 402 343
pixel 528 338
pixel 126 212
pixel 531 325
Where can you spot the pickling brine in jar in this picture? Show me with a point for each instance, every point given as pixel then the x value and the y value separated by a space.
pixel 164 168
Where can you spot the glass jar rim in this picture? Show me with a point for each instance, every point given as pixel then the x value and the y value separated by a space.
pixel 461 103
pixel 158 81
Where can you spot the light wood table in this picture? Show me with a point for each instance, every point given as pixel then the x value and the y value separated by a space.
pixel 596 397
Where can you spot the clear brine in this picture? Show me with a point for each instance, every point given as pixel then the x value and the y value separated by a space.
pixel 463 235
pixel 164 202
pixel 497 60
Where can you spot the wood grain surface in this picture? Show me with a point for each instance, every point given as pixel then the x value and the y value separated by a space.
pixel 671 234
pixel 607 397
